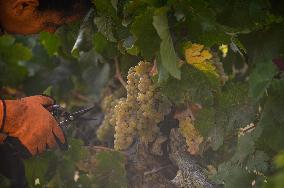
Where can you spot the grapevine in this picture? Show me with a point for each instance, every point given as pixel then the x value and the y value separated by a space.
pixel 138 114
pixel 106 129
pixel 191 134
pixel 177 86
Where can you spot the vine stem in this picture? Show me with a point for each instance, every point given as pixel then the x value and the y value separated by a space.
pixel 103 148
pixel 155 170
pixel 81 97
pixel 118 73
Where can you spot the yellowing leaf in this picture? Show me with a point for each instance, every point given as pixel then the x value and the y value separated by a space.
pixel 224 49
pixel 199 57
pixel 206 54
pixel 196 48
pixel 206 68
pixel 196 53
pixel 191 134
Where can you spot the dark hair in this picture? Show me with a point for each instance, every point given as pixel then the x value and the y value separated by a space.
pixel 61 5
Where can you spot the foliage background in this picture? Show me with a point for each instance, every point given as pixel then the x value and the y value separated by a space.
pixel 78 61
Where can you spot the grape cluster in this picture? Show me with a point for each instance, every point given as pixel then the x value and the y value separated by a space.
pixel 106 129
pixel 138 114
pixel 191 134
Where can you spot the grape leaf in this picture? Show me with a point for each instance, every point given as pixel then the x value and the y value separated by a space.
pixel 75 151
pixel 216 136
pixel 205 120
pixel 36 169
pixel 232 176
pixel 272 119
pixel 279 159
pixel 276 181
pixel 194 86
pixel 110 170
pixel 163 74
pixel 235 107
pixel 84 40
pixel 12 56
pixel 104 25
pixel 100 42
pixel 104 47
pixel 12 52
pixel 147 39
pixel 245 147
pixel 67 35
pixel 168 55
pixel 47 91
pixel 258 162
pixel 105 8
pixel 261 78
pixel 50 42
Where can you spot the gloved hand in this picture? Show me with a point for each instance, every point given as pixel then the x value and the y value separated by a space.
pixel 28 120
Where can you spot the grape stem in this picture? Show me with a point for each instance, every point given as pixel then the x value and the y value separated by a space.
pixel 81 97
pixel 118 73
pixel 155 170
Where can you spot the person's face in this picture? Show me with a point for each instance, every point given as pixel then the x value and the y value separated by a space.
pixel 23 17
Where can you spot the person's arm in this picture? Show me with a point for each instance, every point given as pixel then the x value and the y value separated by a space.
pixel 2 120
pixel 31 123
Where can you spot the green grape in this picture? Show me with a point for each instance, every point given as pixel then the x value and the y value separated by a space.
pixel 136 115
pixel 106 130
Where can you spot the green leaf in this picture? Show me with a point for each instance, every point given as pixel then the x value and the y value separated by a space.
pixel 245 147
pixel 261 78
pixel 276 181
pixel 104 25
pixel 232 176
pixel 11 52
pixel 36 169
pixel 147 39
pixel 6 41
pixel 100 42
pixel 205 120
pixel 50 42
pixel 163 74
pixel 168 55
pixel 134 50
pixel 75 151
pixel 68 34
pixel 84 41
pixel 105 8
pixel 279 160
pixel 193 86
pixel 216 137
pixel 272 120
pixel 258 162
pixel 104 47
pixel 235 108
pixel 110 170
pixel 47 91
pixel 206 124
pixel 12 60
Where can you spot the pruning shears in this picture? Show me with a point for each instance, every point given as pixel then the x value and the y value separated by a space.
pixel 64 117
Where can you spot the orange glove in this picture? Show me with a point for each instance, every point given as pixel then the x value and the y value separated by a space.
pixel 28 120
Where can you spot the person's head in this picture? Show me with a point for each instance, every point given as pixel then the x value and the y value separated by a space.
pixel 32 16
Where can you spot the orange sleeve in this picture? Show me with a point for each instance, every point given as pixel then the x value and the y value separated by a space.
pixel 2 120
pixel 1 112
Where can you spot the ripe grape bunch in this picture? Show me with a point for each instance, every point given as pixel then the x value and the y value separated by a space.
pixel 106 129
pixel 138 114
pixel 191 134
